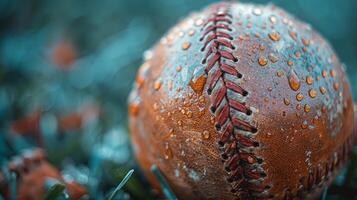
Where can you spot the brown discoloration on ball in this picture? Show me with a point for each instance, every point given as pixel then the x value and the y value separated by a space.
pixel 199 84
pixel 303 142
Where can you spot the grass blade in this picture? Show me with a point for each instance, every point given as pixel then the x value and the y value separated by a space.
pixel 164 185
pixel 121 185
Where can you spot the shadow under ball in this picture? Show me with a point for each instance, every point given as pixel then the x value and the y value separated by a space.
pixel 242 101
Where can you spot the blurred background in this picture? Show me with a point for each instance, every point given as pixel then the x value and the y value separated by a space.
pixel 66 68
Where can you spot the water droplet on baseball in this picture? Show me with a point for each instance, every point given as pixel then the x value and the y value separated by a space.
pixel 134 108
pixel 286 101
pixel 290 63
pixel 312 93
pixel 299 97
pixel 336 86
pixel 273 19
pixel 307 108
pixel 304 125
pixel 198 22
pixel 323 90
pixel 262 61
pixel 306 42
pixel 275 36
pixel 167 152
pixel 293 35
pixel 257 11
pixel 280 73
pixel 191 32
pixel 309 80
pixel 273 58
pixel 294 81
pixel 157 85
pixel 333 73
pixel 205 135
pixel 186 45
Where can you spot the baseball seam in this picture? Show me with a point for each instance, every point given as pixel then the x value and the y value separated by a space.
pixel 236 141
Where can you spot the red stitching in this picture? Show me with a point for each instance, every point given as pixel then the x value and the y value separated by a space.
pixel 240 165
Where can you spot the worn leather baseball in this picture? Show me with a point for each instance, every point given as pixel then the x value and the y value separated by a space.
pixel 242 101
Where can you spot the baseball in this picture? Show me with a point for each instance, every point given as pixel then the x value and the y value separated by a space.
pixel 242 101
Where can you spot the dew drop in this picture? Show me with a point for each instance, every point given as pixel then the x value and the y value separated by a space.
pixel 155 106
pixel 272 58
pixel 275 36
pixel 323 90
pixel 179 123
pixel 262 61
pixel 336 86
pixel 286 101
pixel 299 97
pixel 257 11
pixel 171 132
pixel 134 109
pixel 157 85
pixel 298 107
pixel 262 47
pixel 307 108
pixel 189 114
pixel 309 80
pixel 167 152
pixel 186 45
pixel 178 68
pixel 140 81
pixel 324 73
pixel 294 81
pixel 293 35
pixel 333 73
pixel 312 93
pixel 306 42
pixel 316 119
pixel 181 34
pixel 198 22
pixel 273 19
pixel 205 135
pixel 170 84
pixel 212 120
pixel 191 32
pixel 304 125
pixel 290 63
pixel 285 21
pixel 279 73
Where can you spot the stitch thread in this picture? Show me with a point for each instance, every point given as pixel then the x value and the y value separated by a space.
pixel 243 167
